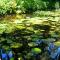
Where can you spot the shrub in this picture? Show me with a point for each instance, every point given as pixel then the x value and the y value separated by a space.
pixel 41 5
pixel 7 5
pixel 26 5
pixel 31 5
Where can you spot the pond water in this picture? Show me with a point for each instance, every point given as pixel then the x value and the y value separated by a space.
pixel 19 30
pixel 10 23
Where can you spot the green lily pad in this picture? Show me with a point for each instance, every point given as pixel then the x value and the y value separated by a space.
pixel 6 47
pixel 16 45
pixel 32 44
pixel 36 50
pixel 57 43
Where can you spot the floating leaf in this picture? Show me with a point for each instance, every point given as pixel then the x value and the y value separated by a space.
pixel 36 50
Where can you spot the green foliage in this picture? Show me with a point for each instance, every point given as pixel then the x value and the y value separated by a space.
pixel 7 5
pixel 26 6
pixel 41 5
pixel 31 5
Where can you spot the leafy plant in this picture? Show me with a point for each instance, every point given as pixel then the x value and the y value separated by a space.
pixel 41 5
pixel 7 5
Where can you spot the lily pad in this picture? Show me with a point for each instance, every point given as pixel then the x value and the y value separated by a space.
pixel 32 44
pixel 36 50
pixel 16 45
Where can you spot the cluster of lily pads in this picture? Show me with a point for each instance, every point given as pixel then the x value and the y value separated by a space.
pixel 34 26
pixel 20 32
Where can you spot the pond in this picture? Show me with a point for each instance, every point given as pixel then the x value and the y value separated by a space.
pixel 19 30
pixel 34 22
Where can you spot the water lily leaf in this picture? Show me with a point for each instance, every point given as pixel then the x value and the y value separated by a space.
pixel 36 50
